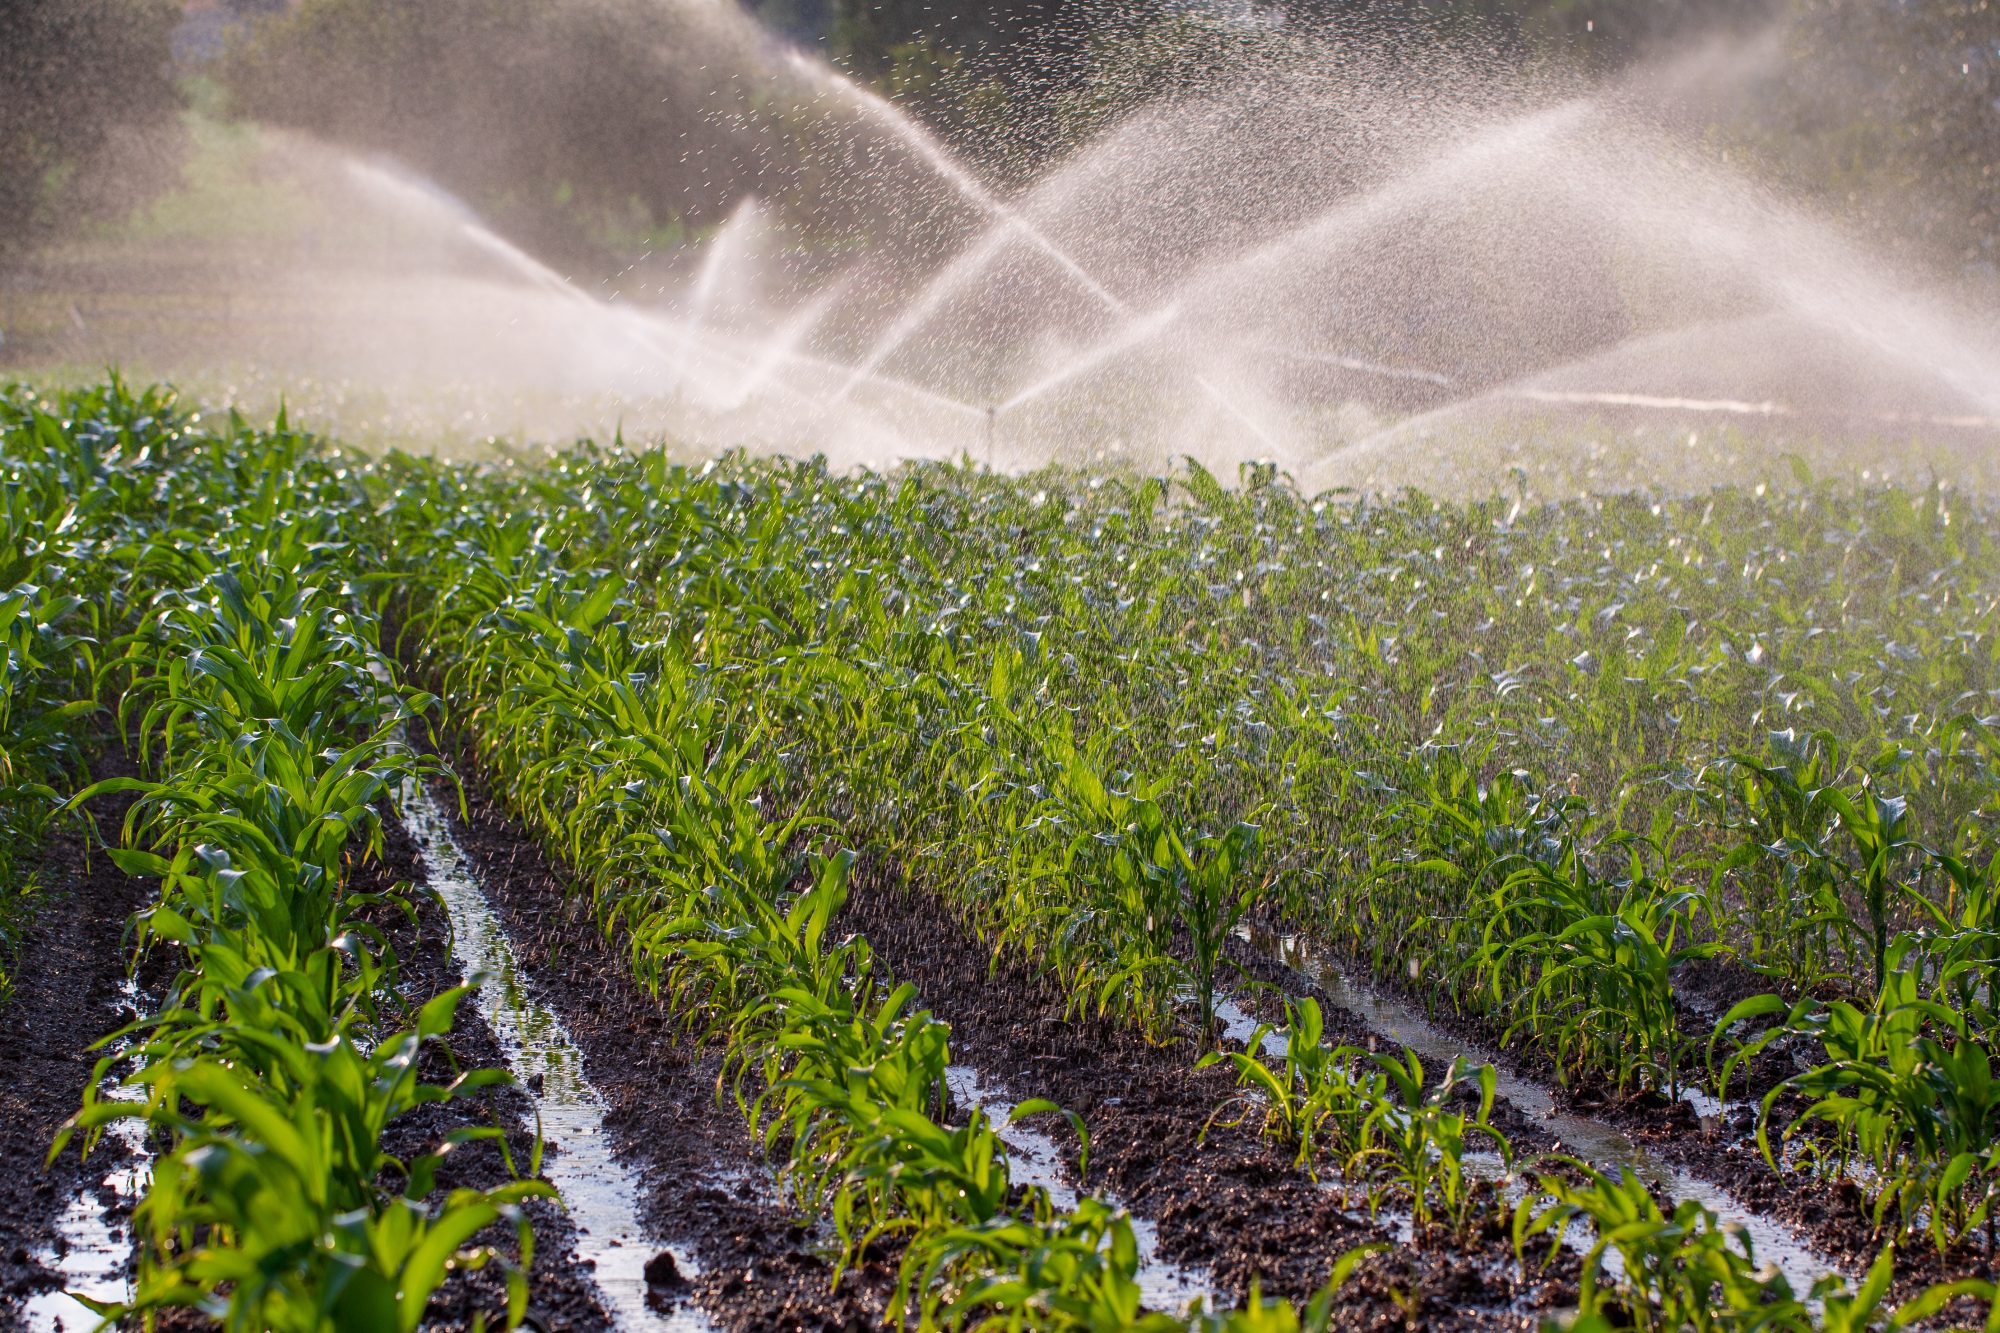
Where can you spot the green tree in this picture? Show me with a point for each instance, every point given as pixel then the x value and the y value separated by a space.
pixel 87 96
pixel 564 121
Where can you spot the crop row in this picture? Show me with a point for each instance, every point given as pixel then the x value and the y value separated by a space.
pixel 1037 698
pixel 244 677
pixel 1041 702
pixel 656 788
pixel 52 580
pixel 1552 769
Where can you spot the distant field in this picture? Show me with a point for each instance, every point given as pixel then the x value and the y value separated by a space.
pixel 996 901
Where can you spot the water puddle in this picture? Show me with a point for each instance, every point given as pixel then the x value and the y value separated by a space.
pixel 1602 1145
pixel 600 1192
pixel 1034 1159
pixel 1236 1024
pixel 95 1257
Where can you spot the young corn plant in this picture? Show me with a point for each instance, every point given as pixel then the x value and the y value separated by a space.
pixel 1685 1270
pixel 1878 827
pixel 1217 890
pixel 277 1208
pixel 1423 1132
pixel 1903 1088
pixel 1678 1270
pixel 1589 976
pixel 1318 1102
pixel 1784 866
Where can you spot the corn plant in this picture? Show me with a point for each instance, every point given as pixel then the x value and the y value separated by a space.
pixel 1422 1134
pixel 284 1049
pixel 1318 1102
pixel 1784 865
pixel 1678 1269
pixel 1683 1269
pixel 1878 828
pixel 271 1211
pixel 1597 975
pixel 1903 1088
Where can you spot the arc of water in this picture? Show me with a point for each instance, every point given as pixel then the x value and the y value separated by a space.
pixel 522 263
pixel 1318 231
pixel 948 168
pixel 1373 443
pixel 1235 410
pixel 1824 282
pixel 424 198
pixel 791 335
pixel 1356 364
pixel 1734 407
pixel 965 266
pixel 747 352
pixel 721 252
pixel 1135 332
pixel 1490 146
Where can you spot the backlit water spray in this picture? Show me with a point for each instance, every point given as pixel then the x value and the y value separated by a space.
pixel 1371 272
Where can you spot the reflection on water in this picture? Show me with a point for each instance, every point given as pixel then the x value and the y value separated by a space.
pixel 599 1191
pixel 95 1258
pixel 1034 1159
pixel 1600 1144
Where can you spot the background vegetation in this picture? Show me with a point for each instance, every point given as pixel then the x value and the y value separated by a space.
pixel 590 129
pixel 87 94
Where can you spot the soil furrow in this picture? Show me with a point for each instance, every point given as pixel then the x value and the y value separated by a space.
pixel 562 1297
pixel 706 1185
pixel 1833 1218
pixel 67 994
pixel 70 973
pixel 1234 1203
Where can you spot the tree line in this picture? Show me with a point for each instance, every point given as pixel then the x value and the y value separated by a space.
pixel 594 126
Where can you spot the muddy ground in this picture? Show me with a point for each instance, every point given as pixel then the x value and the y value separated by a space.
pixel 1833 1217
pixel 69 979
pixel 1230 1205
pixel 562 1298
pixel 706 1186
pixel 1233 1204
pixel 67 994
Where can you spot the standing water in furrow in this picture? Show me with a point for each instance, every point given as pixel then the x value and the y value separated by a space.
pixel 96 1256
pixel 1602 1145
pixel 1034 1159
pixel 600 1193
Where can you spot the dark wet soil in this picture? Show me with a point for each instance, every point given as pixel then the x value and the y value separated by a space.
pixel 706 1186
pixel 67 994
pixel 1834 1218
pixel 1261 986
pixel 561 1294
pixel 1234 1205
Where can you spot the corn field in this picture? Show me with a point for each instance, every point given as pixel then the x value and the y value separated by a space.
pixel 1472 915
